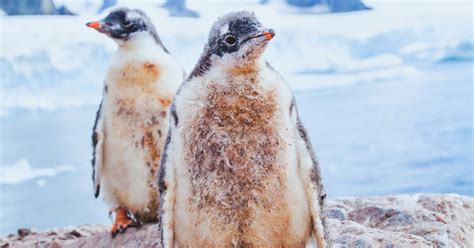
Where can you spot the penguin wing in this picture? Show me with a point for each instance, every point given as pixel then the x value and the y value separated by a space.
pixel 310 176
pixel 97 152
pixel 166 185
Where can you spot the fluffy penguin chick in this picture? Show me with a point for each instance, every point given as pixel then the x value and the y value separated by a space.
pixel 238 169
pixel 132 121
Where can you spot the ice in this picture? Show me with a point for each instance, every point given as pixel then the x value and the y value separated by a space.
pixel 21 171
pixel 80 7
pixel 41 182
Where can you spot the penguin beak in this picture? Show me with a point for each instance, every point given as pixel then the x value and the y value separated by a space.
pixel 100 26
pixel 267 33
pixel 95 25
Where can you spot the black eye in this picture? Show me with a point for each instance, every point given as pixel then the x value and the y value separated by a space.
pixel 230 40
pixel 127 23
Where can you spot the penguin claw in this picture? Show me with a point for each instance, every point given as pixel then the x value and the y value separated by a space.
pixel 122 222
pixel 122 226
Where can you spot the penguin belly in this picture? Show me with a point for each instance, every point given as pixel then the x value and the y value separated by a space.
pixel 236 187
pixel 134 141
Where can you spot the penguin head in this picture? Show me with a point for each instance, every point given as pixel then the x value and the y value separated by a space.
pixel 239 38
pixel 123 23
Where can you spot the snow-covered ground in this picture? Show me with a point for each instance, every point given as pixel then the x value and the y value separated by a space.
pixel 56 62
pixel 386 95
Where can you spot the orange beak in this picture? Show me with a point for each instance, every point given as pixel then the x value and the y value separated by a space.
pixel 94 25
pixel 269 35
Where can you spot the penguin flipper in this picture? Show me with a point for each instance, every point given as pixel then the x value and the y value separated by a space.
pixel 97 150
pixel 311 177
pixel 166 186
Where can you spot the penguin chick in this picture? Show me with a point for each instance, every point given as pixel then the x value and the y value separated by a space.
pixel 132 121
pixel 238 168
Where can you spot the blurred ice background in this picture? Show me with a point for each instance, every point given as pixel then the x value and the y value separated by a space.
pixel 386 95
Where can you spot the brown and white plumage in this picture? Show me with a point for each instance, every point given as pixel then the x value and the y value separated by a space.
pixel 132 121
pixel 238 168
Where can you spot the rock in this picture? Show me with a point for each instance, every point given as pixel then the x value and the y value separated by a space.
pixel 23 232
pixel 421 220
pixel 57 237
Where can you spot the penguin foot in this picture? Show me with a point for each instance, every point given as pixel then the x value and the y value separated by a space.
pixel 122 221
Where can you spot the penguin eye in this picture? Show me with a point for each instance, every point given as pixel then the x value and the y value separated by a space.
pixel 127 23
pixel 230 40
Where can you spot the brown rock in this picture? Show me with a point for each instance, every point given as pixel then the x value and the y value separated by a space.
pixel 23 232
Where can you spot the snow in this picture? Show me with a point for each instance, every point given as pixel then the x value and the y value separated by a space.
pixel 80 7
pixel 22 171
pixel 56 62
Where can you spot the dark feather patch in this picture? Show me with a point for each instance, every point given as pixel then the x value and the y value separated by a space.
pixel 241 25
pixel 118 18
pixel 315 171
pixel 292 105
pixel 162 184
pixel 162 173
pixel 95 140
pixel 174 115
pixel 203 64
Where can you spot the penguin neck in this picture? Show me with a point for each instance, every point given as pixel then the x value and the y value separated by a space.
pixel 240 68
pixel 137 65
pixel 139 41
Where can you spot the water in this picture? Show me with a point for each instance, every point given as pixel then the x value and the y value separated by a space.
pixel 393 137
pixel 396 137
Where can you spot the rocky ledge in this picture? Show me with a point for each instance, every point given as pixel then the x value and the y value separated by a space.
pixel 421 220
